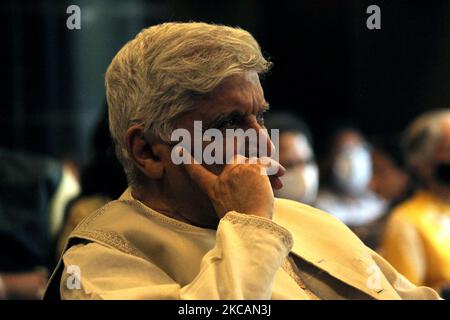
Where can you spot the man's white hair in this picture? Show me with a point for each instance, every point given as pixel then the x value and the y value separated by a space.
pixel 421 136
pixel 164 71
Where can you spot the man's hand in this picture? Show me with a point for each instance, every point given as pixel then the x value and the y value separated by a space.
pixel 241 186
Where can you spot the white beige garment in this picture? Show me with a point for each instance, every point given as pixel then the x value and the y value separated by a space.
pixel 126 250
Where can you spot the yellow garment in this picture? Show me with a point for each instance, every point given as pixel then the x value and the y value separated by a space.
pixel 417 240
pixel 126 250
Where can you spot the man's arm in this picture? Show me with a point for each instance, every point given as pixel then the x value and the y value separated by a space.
pixel 248 252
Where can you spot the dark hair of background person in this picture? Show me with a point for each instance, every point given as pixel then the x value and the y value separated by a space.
pixel 103 174
pixel 390 146
pixel 286 121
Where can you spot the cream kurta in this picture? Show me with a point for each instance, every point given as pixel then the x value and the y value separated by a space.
pixel 126 250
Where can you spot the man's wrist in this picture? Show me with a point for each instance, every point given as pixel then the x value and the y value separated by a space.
pixel 261 223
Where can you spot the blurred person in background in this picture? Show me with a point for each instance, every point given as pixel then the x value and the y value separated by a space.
pixel 101 180
pixel 301 180
pixel 34 190
pixel 347 171
pixel 390 181
pixel 417 236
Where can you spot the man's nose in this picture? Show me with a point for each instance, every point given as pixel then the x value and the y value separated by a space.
pixel 264 146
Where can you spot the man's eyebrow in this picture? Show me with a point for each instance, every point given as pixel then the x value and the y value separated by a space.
pixel 216 121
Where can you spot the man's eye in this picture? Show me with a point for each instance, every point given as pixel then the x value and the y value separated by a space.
pixel 260 117
pixel 231 122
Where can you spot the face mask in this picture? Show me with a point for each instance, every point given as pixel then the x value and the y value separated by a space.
pixel 300 184
pixel 442 173
pixel 352 169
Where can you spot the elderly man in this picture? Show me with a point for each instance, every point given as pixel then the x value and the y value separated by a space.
pixel 206 231
pixel 417 237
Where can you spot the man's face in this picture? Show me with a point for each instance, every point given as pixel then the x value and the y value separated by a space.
pixel 301 180
pixel 238 102
pixel 294 150
pixel 388 180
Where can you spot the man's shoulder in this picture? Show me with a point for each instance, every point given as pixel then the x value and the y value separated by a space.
pixel 300 215
pixel 286 206
pixel 106 216
pixel 109 226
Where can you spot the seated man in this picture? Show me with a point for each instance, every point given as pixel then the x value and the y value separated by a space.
pixel 207 230
pixel 345 176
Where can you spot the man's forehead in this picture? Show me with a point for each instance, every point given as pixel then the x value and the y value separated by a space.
pixel 241 93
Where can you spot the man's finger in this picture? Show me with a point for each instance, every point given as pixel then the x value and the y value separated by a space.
pixel 237 159
pixel 275 182
pixel 203 177
pixel 271 167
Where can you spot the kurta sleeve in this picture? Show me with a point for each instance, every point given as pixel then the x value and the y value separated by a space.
pixel 242 265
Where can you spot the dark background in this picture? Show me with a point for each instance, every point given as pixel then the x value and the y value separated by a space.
pixel 328 66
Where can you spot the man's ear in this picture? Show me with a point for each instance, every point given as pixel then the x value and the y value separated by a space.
pixel 143 152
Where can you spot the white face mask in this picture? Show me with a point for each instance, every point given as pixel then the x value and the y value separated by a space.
pixel 352 169
pixel 300 184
